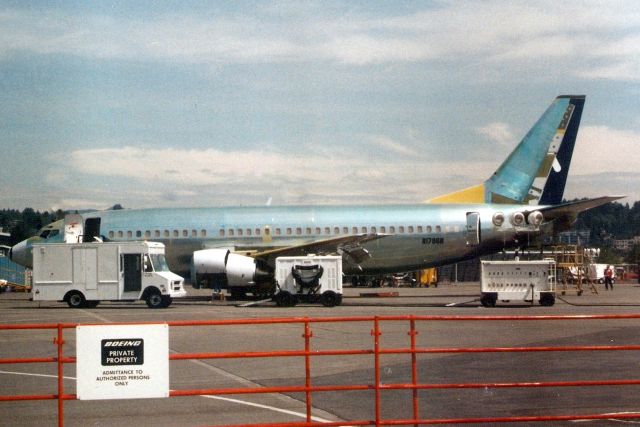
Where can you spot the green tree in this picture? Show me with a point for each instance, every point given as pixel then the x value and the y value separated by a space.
pixel 633 256
pixel 609 256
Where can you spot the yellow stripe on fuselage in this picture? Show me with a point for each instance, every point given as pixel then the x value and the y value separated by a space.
pixel 468 195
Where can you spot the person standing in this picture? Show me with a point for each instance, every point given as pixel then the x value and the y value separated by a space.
pixel 608 277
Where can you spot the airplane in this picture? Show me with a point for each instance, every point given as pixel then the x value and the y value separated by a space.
pixel 237 246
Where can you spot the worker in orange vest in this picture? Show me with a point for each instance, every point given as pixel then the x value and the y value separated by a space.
pixel 608 277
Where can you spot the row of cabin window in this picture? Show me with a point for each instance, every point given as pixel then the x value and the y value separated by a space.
pixel 158 233
pixel 288 231
pixel 298 231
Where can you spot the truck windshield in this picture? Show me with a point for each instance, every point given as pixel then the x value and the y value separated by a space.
pixel 159 262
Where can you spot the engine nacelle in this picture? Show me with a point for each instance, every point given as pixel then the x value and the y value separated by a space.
pixel 240 270
pixel 517 219
pixel 535 218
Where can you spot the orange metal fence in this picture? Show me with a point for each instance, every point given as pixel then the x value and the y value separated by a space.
pixel 376 350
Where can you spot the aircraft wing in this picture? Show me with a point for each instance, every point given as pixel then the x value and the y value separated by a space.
pixel 347 246
pixel 572 209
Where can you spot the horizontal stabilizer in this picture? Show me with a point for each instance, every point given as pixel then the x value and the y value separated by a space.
pixel 572 209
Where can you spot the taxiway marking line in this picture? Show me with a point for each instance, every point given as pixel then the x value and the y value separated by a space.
pixel 34 375
pixel 226 399
pixel 219 371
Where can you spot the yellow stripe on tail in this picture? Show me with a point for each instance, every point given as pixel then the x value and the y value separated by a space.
pixel 468 195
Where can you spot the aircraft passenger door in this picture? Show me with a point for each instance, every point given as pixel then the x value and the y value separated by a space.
pixel 132 267
pixel 266 234
pixel 72 228
pixel 91 229
pixel 473 229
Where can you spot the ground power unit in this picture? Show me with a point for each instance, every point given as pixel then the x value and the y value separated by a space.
pixel 527 281
pixel 308 279
pixel 83 274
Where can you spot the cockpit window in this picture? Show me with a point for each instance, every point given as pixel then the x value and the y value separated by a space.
pixel 46 234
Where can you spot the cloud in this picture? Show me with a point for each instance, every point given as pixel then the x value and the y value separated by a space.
pixel 389 144
pixel 605 162
pixel 601 149
pixel 194 166
pixel 212 176
pixel 623 70
pixel 491 33
pixel 497 132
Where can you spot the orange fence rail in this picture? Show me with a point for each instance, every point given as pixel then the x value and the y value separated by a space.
pixel 308 354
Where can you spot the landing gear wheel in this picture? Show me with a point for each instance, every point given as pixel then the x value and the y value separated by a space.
pixel 329 299
pixel 76 300
pixel 489 299
pixel 547 300
pixel 237 294
pixel 154 300
pixel 263 292
pixel 285 299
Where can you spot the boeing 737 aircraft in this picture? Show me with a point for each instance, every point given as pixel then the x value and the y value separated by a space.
pixel 238 245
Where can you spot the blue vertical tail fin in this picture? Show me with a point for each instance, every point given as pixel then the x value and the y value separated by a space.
pixel 536 170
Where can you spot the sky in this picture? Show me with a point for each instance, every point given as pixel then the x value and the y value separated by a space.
pixel 198 103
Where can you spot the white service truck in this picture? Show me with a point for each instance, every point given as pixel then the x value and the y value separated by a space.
pixel 310 278
pixel 596 272
pixel 518 281
pixel 83 274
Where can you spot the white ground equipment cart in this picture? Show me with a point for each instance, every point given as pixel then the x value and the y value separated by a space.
pixel 309 279
pixel 83 274
pixel 528 281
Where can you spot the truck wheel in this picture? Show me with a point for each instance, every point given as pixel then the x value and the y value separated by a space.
pixel 166 301
pixel 488 299
pixel 547 300
pixel 154 300
pixel 76 300
pixel 329 299
pixel 91 304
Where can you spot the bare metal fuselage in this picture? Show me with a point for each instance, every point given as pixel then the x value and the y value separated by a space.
pixel 412 236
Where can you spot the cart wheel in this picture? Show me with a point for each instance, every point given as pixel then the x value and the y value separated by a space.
pixel 285 299
pixel 329 299
pixel 75 299
pixel 488 299
pixel 547 300
pixel 154 300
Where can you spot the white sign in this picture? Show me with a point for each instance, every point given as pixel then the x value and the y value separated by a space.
pixel 122 361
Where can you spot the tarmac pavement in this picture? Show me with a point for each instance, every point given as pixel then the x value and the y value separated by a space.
pixel 448 300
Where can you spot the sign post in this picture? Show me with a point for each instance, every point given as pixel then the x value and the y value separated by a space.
pixel 122 361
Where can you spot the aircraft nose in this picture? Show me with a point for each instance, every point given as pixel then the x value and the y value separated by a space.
pixel 20 254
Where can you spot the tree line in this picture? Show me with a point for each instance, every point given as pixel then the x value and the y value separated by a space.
pixel 26 223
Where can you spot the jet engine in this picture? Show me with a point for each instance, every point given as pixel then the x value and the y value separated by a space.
pixel 535 218
pixel 240 270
